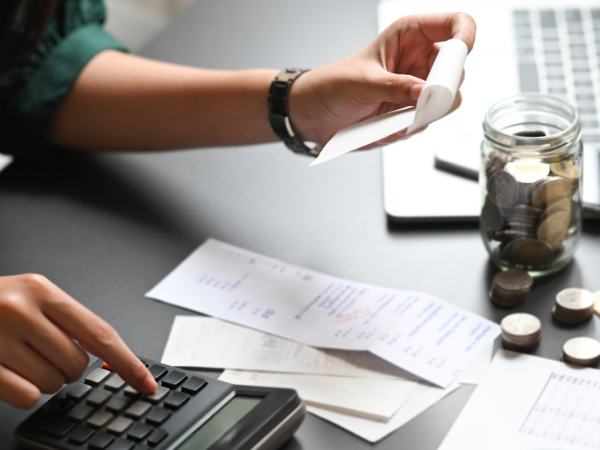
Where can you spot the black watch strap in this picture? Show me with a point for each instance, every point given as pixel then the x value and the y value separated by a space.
pixel 279 116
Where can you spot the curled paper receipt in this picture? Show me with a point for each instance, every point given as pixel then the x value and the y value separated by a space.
pixel 435 101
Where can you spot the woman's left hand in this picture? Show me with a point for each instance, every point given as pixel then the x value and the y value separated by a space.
pixel 386 75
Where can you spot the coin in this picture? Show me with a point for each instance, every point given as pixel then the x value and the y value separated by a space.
pixel 492 215
pixel 510 288
pixel 560 205
pixel 583 351
pixel 550 189
pixel 522 211
pixel 529 252
pixel 527 171
pixel 503 189
pixel 566 169
pixel 554 227
pixel 574 306
pixel 521 331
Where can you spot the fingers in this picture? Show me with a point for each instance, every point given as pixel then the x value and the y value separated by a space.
pixel 100 339
pixel 30 366
pixel 55 346
pixel 394 88
pixel 443 26
pixel 17 391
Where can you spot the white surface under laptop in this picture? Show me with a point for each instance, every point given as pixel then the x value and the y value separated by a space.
pixel 414 190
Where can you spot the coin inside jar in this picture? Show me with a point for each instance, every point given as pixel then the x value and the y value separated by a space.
pixel 530 252
pixel 574 306
pixel 560 205
pixel 527 171
pixel 554 228
pixel 549 190
pixel 510 288
pixel 503 188
pixel 566 169
pixel 582 351
pixel 521 331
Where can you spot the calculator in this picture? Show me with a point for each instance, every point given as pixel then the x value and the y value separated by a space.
pixel 187 412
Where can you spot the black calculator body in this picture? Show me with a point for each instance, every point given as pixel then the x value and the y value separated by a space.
pixel 187 412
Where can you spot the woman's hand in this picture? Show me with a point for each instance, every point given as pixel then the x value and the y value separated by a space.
pixel 37 354
pixel 386 75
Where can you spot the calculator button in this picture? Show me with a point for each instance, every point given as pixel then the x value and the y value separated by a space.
pixel 158 395
pixel 80 435
pixel 131 392
pixel 115 383
pixel 157 437
pixel 157 371
pixel 158 416
pixel 101 441
pixel 138 409
pixel 78 391
pixel 193 385
pixel 98 397
pixel 122 444
pixel 118 403
pixel 60 407
pixel 174 379
pixel 106 366
pixel 97 377
pixel 119 426
pixel 80 412
pixel 53 426
pixel 99 419
pixel 139 432
pixel 176 399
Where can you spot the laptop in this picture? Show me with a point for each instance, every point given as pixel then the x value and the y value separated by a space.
pixel 432 177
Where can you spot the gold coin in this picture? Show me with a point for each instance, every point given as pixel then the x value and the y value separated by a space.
pixel 562 204
pixel 503 189
pixel 530 252
pixel 554 226
pixel 527 171
pixel 566 169
pixel 549 190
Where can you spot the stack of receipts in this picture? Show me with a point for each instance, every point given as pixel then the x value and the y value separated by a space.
pixel 355 390
pixel 360 331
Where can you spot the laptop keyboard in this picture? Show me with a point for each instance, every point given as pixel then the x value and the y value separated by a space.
pixel 559 54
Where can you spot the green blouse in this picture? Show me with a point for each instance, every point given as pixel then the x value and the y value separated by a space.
pixel 30 96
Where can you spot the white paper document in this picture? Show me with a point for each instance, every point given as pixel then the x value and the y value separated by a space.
pixel 422 397
pixel 417 332
pixel 369 398
pixel 525 403
pixel 435 102
pixel 205 342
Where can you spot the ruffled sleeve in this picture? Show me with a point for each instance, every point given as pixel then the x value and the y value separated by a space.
pixel 31 96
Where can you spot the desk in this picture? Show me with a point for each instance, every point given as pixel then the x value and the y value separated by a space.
pixel 106 228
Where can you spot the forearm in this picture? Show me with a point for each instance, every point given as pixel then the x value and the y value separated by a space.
pixel 123 102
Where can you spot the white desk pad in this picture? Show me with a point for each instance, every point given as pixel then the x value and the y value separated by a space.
pixel 417 332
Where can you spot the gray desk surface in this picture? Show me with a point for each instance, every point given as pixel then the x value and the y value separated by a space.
pixel 107 227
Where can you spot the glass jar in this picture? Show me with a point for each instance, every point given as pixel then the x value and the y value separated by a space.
pixel 530 179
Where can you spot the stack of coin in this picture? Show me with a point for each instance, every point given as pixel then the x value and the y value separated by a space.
pixel 521 331
pixel 597 302
pixel 574 306
pixel 582 351
pixel 529 208
pixel 510 288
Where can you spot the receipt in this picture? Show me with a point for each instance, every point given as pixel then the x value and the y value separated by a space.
pixel 435 101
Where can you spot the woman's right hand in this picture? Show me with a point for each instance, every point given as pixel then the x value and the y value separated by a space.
pixel 38 322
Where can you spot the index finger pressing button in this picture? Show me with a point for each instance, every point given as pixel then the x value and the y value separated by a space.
pixel 158 395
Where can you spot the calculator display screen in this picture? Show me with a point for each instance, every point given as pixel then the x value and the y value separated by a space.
pixel 220 423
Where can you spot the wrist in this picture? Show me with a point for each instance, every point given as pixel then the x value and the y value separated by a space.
pixel 301 107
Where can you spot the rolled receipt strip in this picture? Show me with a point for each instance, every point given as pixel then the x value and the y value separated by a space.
pixel 435 101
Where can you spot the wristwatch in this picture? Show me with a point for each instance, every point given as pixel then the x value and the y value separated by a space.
pixel 279 115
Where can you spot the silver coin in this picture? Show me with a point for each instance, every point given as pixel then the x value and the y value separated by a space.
pixel 575 299
pixel 582 350
pixel 521 324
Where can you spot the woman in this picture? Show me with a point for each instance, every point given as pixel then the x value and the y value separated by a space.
pixel 64 82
